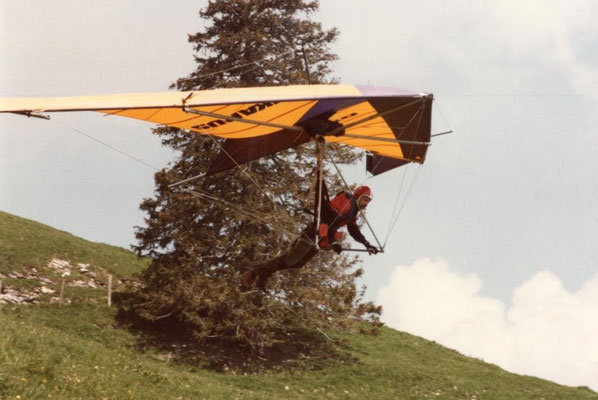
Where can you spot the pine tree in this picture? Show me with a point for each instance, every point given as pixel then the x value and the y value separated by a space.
pixel 199 247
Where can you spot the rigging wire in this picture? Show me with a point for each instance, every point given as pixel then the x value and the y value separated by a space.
pixel 412 184
pixel 290 218
pixel 320 184
pixel 437 104
pixel 394 209
pixel 267 59
pixel 106 144
pixel 228 81
pixel 265 219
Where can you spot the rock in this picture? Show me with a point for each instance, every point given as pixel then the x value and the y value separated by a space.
pixel 17 298
pixel 79 283
pixel 47 290
pixel 57 300
pixel 59 265
pixel 10 298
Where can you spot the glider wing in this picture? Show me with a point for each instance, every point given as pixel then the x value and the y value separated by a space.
pixel 393 125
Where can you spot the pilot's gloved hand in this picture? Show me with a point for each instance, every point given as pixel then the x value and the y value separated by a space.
pixel 337 247
pixel 372 250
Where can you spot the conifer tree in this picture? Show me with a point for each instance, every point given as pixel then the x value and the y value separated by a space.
pixel 200 245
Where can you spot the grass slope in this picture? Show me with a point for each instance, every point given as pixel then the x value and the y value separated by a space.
pixel 80 351
pixel 25 243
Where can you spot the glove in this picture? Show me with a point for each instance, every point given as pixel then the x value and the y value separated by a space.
pixel 371 249
pixel 337 247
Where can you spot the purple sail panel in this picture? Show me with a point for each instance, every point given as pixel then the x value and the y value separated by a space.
pixel 376 165
pixel 325 108
pixel 239 151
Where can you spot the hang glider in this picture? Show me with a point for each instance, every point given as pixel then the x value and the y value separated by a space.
pixel 392 125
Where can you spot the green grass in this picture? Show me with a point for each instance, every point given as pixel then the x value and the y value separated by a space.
pixel 25 244
pixel 82 350
pixel 77 351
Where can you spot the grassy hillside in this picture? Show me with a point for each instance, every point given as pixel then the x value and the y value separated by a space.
pixel 25 243
pixel 81 350
pixel 34 257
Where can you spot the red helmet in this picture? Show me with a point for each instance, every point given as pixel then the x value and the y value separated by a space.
pixel 362 191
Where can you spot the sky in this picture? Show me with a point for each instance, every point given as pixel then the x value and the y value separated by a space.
pixel 494 253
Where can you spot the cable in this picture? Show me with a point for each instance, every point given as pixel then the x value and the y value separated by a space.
pixel 392 216
pixel 106 145
pixel 245 213
pixel 235 67
pixel 262 218
pixel 417 173
pixel 291 220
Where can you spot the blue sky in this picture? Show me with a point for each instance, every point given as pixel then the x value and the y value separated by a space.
pixel 500 222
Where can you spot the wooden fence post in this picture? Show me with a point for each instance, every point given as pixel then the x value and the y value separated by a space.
pixel 61 292
pixel 109 290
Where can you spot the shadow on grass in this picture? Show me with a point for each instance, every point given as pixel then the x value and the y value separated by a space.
pixel 296 350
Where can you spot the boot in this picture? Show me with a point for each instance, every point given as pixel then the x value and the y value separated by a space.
pixel 265 271
pixel 247 280
pixel 262 281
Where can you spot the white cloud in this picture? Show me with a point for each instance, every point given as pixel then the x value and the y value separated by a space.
pixel 547 331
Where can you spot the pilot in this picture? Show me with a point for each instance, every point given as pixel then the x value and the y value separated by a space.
pixel 342 210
